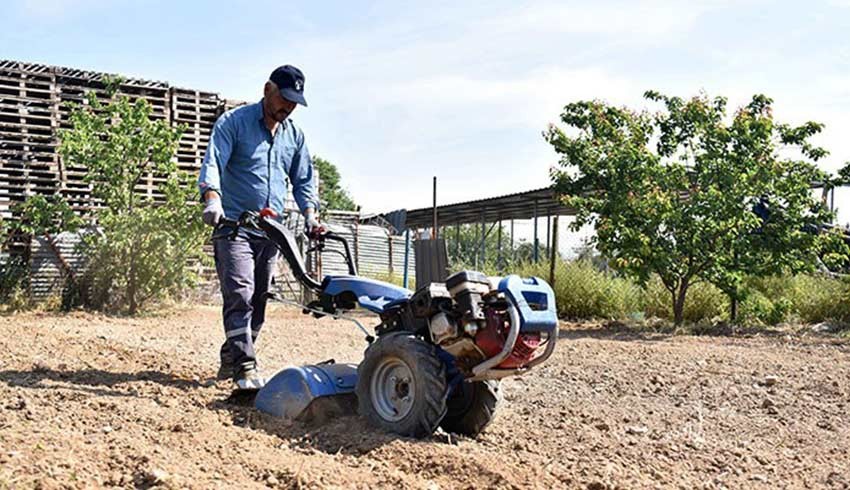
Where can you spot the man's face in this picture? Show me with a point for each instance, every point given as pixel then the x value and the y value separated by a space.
pixel 275 105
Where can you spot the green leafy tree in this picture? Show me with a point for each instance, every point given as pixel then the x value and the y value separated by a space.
pixel 142 249
pixel 42 215
pixel 691 196
pixel 331 193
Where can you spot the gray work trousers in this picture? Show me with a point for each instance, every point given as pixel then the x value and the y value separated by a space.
pixel 245 268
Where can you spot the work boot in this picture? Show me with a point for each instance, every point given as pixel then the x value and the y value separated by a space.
pixel 226 367
pixel 247 377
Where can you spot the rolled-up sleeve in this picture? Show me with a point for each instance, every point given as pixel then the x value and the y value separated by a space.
pixel 217 156
pixel 303 180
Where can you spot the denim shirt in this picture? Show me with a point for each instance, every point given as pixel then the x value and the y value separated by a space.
pixel 252 169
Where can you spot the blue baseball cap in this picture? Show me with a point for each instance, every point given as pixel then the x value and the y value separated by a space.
pixel 290 82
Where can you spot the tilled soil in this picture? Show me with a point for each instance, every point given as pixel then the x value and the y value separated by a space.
pixel 90 401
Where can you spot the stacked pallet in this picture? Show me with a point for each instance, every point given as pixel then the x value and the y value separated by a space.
pixel 72 86
pixel 197 112
pixel 28 162
pixel 35 104
pixel 227 104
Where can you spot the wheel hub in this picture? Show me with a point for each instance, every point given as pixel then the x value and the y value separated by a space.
pixel 392 389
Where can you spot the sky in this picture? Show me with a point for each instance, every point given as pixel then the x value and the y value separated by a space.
pixel 400 91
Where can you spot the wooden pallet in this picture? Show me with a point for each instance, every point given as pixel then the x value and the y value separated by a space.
pixel 35 104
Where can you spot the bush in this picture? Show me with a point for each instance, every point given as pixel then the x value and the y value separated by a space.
pixel 582 291
pixel 760 309
pixel 806 298
pixel 819 298
pixel 703 302
pixel 144 257
pixel 13 282
pixel 394 278
pixel 771 300
pixel 488 267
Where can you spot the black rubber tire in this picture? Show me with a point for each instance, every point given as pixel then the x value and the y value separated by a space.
pixel 429 395
pixel 472 407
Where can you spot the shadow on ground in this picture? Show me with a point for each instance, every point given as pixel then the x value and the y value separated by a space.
pixel 94 381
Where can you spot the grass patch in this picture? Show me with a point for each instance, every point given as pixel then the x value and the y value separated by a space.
pixel 393 278
pixel 584 292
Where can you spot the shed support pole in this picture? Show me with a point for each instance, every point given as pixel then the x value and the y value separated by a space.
pixel 406 257
pixel 499 249
pixel 434 230
pixel 553 252
pixel 475 244
pixel 483 239
pixel 536 242
pixel 457 241
pixel 390 254
pixel 513 251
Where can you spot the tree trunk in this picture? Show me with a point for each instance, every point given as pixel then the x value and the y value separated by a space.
pixel 679 303
pixel 131 285
pixel 733 298
pixel 733 308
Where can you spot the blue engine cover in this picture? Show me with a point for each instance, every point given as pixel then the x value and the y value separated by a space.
pixel 535 300
pixel 290 392
pixel 371 294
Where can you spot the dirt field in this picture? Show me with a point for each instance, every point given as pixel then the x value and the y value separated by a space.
pixel 91 401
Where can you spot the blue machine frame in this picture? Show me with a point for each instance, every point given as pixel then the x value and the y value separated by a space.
pixel 371 294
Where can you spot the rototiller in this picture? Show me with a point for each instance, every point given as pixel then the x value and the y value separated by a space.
pixel 437 355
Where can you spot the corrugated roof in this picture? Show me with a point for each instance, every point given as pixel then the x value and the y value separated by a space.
pixel 522 205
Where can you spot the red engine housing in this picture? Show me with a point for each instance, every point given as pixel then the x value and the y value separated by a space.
pixel 491 339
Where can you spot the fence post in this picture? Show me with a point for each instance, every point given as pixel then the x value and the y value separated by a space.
pixel 553 252
pixel 390 243
pixel 406 257
pixel 357 243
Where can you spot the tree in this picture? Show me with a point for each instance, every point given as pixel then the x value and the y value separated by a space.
pixel 688 195
pixel 331 193
pixel 142 249
pixel 42 215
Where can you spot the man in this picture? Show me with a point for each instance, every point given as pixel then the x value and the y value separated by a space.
pixel 255 152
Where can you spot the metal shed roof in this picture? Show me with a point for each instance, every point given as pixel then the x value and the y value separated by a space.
pixel 521 205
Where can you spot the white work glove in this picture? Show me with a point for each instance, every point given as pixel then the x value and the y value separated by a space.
pixel 311 222
pixel 213 212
